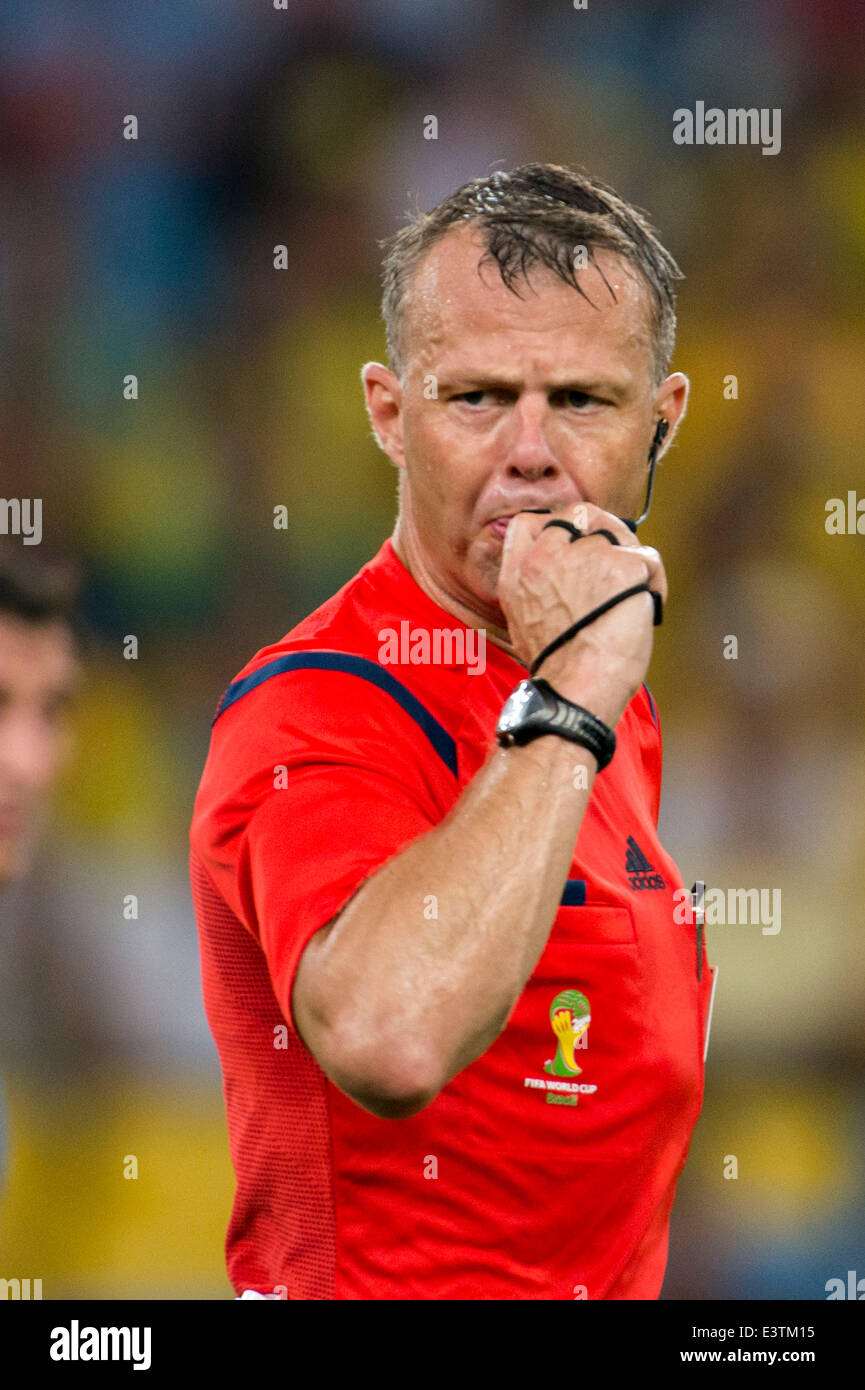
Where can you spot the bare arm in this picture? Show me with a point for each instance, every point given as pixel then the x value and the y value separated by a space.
pixel 393 1004
pixel 424 998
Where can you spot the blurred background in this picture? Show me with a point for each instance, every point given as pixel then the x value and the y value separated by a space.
pixel 304 126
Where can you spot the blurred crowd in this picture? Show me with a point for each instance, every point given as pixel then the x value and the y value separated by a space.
pixel 303 127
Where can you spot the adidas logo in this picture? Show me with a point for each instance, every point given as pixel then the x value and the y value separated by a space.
pixel 640 872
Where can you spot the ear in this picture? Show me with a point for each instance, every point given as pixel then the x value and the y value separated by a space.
pixel 671 403
pixel 383 395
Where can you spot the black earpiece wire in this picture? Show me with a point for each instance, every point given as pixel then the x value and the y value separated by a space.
pixel 661 431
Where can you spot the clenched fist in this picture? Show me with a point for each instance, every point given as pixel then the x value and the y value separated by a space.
pixel 547 582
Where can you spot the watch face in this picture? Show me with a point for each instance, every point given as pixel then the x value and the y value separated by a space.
pixel 524 701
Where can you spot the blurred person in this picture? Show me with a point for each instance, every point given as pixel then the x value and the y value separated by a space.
pixel 460 1026
pixel 39 676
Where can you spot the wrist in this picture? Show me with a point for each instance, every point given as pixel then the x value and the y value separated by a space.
pixel 599 695
pixel 536 709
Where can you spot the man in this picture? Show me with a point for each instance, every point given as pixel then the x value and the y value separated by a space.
pixel 39 674
pixel 461 1030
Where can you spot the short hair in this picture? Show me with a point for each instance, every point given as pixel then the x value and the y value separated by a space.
pixel 39 589
pixel 538 214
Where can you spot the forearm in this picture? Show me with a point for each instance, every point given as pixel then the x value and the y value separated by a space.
pixel 432 953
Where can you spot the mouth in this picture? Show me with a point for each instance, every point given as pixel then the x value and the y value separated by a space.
pixel 500 524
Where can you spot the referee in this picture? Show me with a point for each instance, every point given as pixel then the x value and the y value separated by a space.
pixel 460 1022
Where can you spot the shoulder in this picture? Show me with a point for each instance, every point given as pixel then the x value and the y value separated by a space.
pixel 335 669
pixel 333 627
pixel 323 694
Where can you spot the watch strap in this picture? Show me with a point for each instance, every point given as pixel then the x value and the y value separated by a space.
pixel 568 720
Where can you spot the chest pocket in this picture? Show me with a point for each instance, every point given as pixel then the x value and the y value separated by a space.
pixel 568 1075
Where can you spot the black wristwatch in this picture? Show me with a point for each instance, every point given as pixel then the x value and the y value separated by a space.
pixel 535 708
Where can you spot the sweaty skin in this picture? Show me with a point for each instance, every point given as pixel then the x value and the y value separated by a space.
pixel 542 400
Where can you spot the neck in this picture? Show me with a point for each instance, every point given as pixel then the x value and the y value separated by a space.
pixel 491 619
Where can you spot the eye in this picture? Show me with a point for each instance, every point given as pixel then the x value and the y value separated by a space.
pixel 471 397
pixel 577 400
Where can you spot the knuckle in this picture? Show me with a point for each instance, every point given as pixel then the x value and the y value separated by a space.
pixel 627 566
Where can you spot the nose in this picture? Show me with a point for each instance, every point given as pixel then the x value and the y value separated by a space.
pixel 528 453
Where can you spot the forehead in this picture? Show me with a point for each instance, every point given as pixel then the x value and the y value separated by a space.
pixel 457 307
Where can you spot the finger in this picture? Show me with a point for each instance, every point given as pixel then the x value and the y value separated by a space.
pixel 589 518
pixel 583 523
pixel 573 533
pixel 523 530
pixel 599 533
pixel 657 576
pixel 592 518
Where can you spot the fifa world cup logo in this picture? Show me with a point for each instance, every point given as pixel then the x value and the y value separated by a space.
pixel 570 1016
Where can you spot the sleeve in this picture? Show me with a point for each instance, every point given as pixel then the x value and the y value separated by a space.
pixel 318 779
pixel 310 846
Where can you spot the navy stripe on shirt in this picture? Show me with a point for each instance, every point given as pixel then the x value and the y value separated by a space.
pixel 574 894
pixel 361 666
pixel 651 704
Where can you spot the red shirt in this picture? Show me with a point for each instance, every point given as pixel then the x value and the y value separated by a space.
pixel 547 1168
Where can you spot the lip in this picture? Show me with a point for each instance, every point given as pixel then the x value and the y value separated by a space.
pixel 499 524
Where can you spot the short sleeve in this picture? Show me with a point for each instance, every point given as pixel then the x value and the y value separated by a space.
pixel 314 780
pixel 311 845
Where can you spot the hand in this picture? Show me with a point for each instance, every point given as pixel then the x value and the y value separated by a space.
pixel 547 582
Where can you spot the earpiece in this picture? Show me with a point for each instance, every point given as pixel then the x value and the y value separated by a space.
pixel 662 429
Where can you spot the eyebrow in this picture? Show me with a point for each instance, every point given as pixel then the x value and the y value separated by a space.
pixel 482 381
